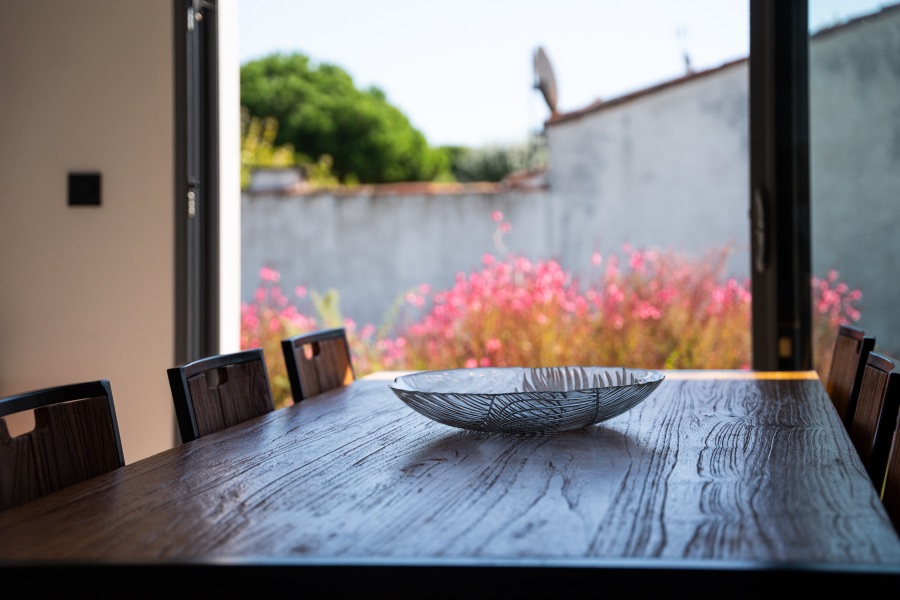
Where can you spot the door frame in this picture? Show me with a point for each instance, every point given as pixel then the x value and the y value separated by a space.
pixel 196 214
pixel 779 193
pixel 779 185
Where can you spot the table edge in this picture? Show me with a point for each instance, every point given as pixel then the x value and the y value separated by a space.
pixel 452 578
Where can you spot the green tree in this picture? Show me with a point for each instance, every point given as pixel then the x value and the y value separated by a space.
pixel 257 146
pixel 321 112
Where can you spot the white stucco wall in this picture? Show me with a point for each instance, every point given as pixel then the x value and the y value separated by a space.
pixel 667 169
pixel 88 291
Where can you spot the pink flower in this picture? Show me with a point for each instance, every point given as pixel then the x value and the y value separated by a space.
pixel 497 216
pixel 268 274
pixel 615 294
pixel 646 311
pixel 415 299
pixel 636 261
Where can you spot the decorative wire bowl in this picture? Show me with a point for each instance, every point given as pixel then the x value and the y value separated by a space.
pixel 525 400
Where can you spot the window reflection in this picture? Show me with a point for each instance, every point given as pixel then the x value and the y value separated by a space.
pixel 854 86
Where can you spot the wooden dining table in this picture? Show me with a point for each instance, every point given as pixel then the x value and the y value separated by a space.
pixel 720 482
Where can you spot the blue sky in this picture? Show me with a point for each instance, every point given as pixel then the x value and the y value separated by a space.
pixel 462 71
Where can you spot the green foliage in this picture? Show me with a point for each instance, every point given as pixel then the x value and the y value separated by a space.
pixel 321 112
pixel 319 175
pixel 493 163
pixel 258 147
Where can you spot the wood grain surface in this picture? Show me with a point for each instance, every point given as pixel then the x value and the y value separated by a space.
pixel 69 442
pixel 756 470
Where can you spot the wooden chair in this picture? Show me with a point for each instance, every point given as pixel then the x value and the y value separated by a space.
pixel 75 437
pixel 219 391
pixel 851 349
pixel 890 489
pixel 317 362
pixel 875 418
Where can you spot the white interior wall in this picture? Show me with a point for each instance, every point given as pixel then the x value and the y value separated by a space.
pixel 230 179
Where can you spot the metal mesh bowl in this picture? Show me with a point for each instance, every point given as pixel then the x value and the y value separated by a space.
pixel 525 400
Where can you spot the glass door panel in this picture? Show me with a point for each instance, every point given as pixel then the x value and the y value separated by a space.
pixel 854 98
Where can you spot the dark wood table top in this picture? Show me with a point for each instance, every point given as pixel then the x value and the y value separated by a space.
pixel 717 476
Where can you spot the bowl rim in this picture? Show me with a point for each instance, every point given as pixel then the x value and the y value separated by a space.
pixel 655 376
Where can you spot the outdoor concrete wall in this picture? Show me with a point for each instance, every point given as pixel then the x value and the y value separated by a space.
pixel 373 248
pixel 88 291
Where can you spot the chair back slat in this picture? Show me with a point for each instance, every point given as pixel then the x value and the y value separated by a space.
pixel 317 362
pixel 890 489
pixel 220 391
pixel 75 437
pixel 875 418
pixel 851 350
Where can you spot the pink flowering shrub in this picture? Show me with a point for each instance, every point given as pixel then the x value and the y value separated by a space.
pixel 269 318
pixel 834 304
pixel 643 308
pixel 660 311
pixel 273 316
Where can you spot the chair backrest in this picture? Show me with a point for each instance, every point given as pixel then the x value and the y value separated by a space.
pixel 219 391
pixel 851 349
pixel 317 362
pixel 75 437
pixel 890 489
pixel 875 419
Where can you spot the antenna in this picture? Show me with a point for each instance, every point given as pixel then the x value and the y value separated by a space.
pixel 544 79
pixel 681 33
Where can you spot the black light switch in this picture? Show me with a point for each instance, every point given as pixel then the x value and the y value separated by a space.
pixel 84 189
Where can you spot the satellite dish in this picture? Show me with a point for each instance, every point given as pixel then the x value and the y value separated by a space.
pixel 544 79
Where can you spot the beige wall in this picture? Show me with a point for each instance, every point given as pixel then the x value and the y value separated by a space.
pixel 87 291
